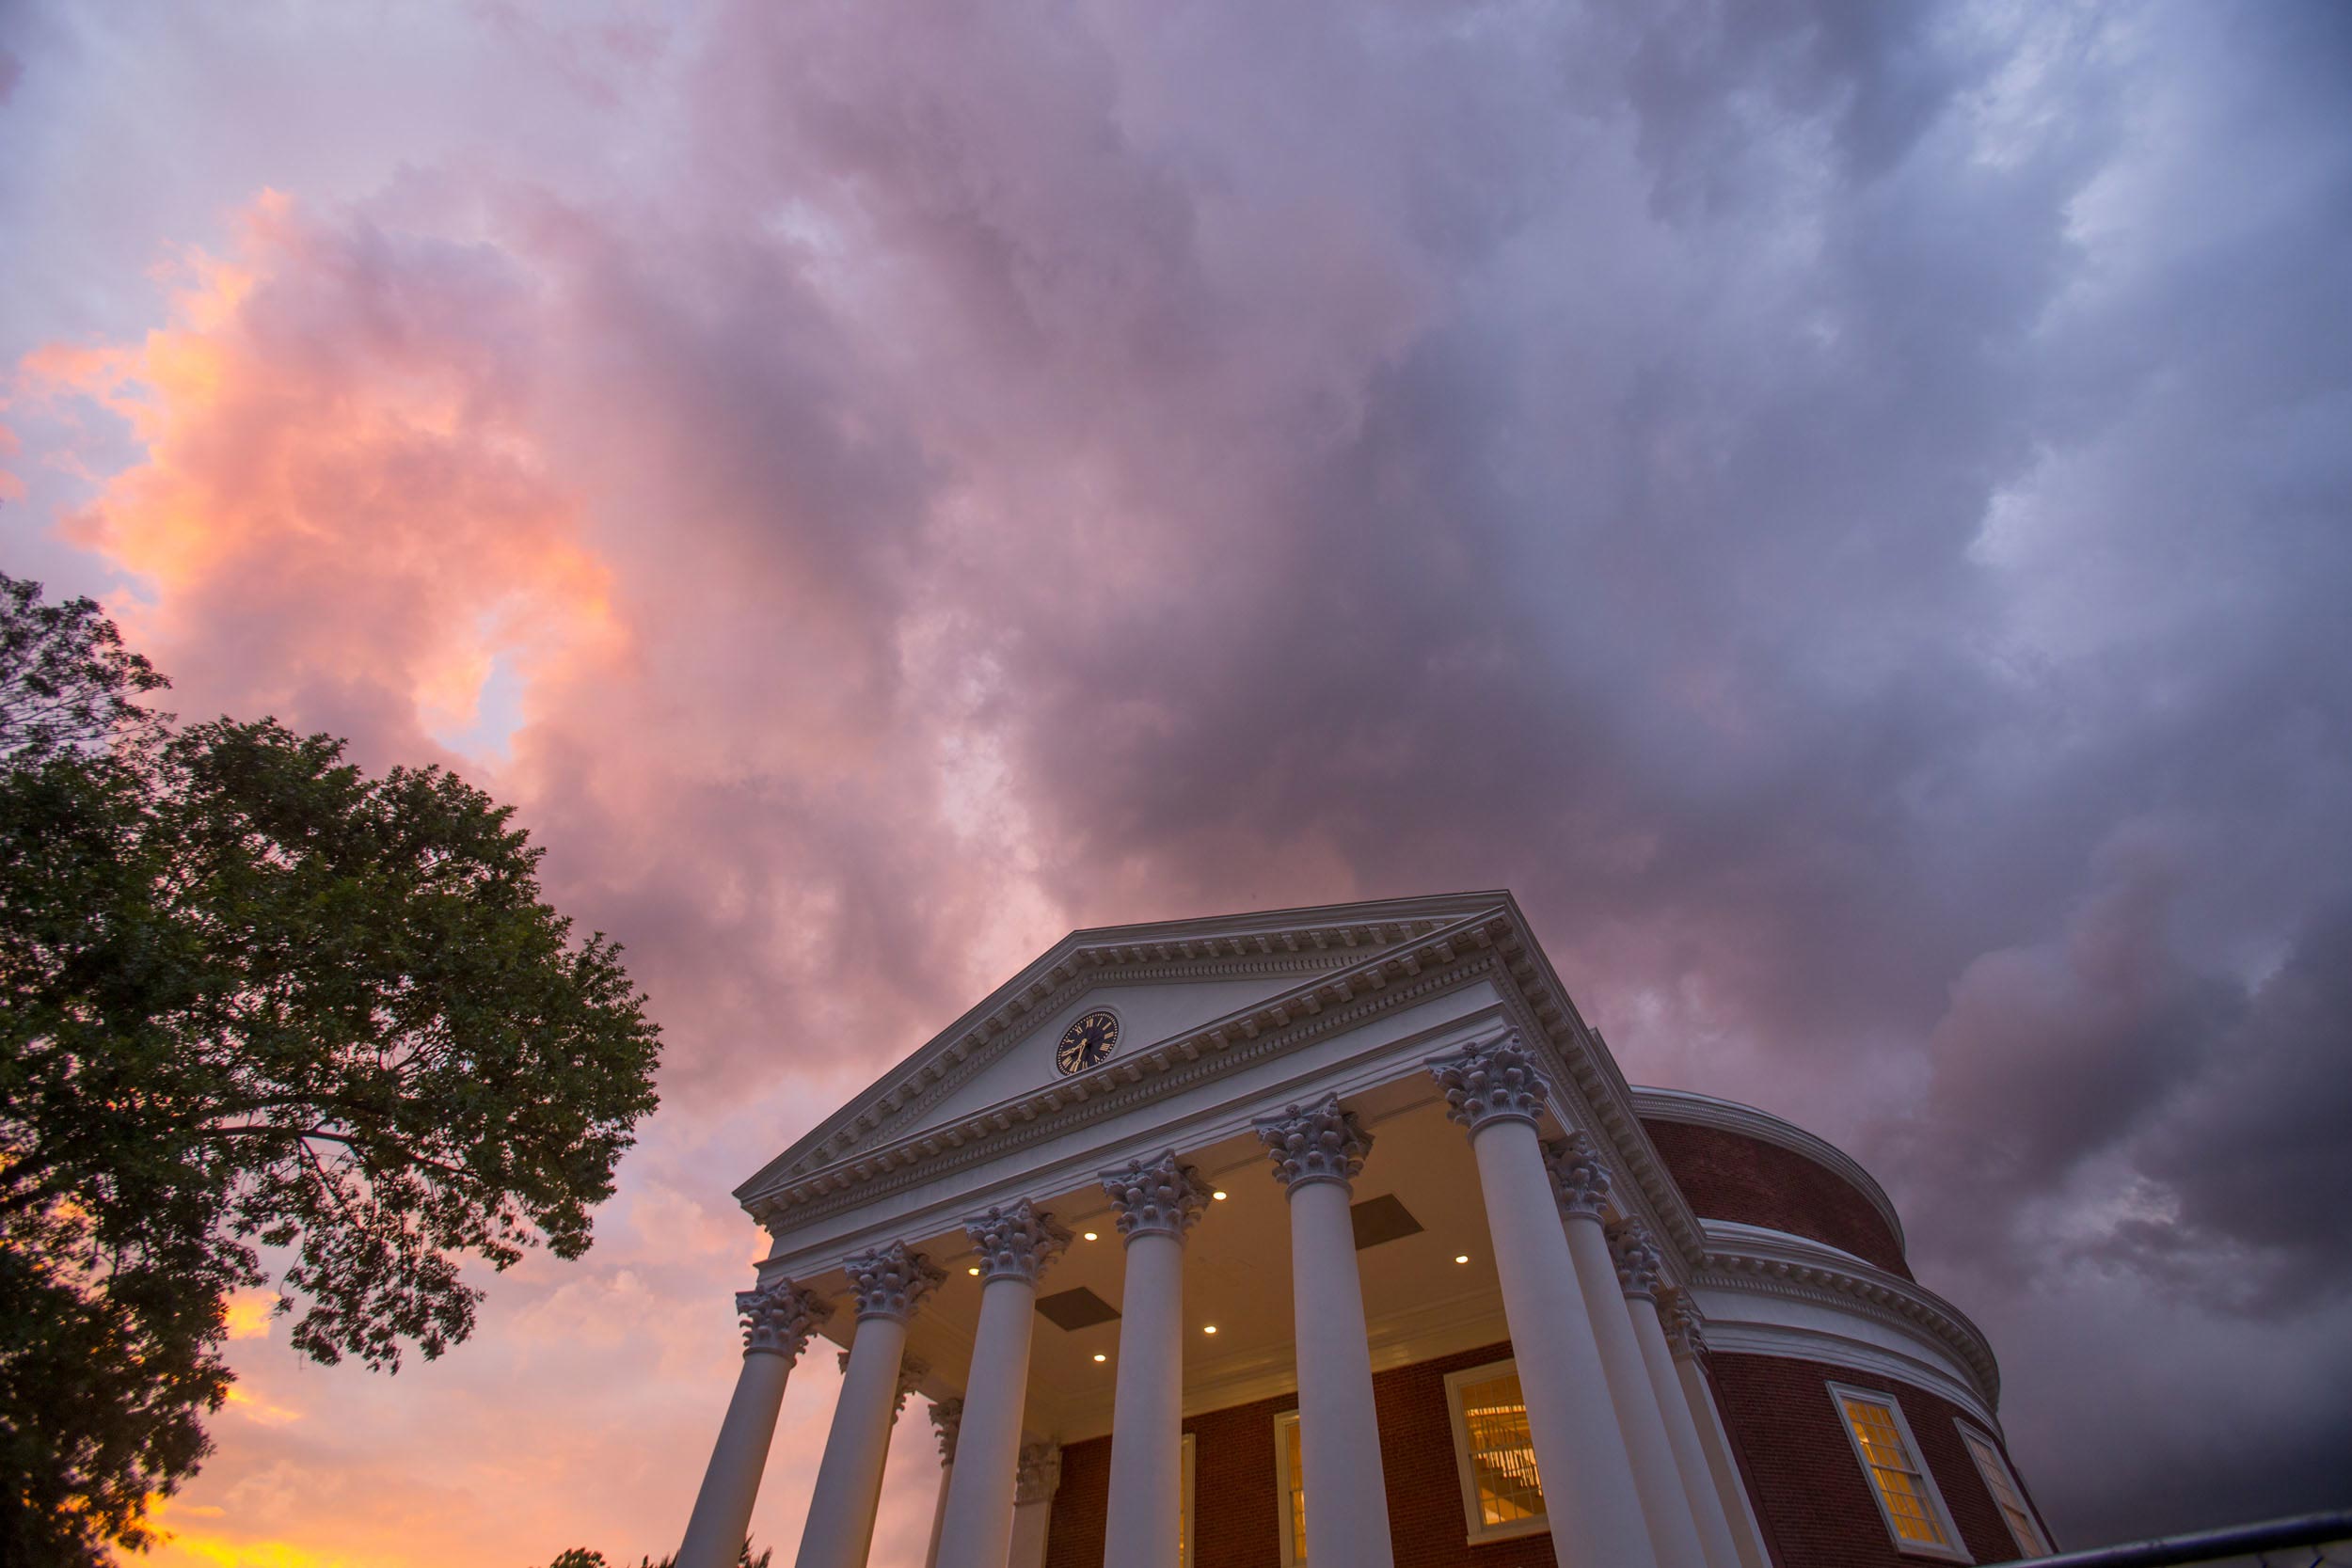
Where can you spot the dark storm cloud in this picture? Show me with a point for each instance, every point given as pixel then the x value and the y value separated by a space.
pixel 1842 507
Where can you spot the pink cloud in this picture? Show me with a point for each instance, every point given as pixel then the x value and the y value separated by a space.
pixel 926 487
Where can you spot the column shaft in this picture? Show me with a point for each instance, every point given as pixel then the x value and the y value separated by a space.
pixel 722 1509
pixel 939 1516
pixel 1746 1534
pixel 1147 1414
pixel 1339 1431
pixel 1596 1509
pixel 1029 1521
pixel 977 1530
pixel 848 1477
pixel 1664 1503
pixel 1706 1506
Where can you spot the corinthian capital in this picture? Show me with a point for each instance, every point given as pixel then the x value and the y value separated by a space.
pixel 1490 1083
pixel 1156 1198
pixel 1016 1240
pixel 891 1282
pixel 1639 1261
pixel 1039 1474
pixel 778 1318
pixel 947 1420
pixel 910 1375
pixel 1580 1178
pixel 1684 1326
pixel 1318 1142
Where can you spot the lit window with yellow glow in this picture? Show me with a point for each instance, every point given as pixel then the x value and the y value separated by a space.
pixel 2006 1492
pixel 1292 1490
pixel 1494 1454
pixel 1183 1512
pixel 1907 1495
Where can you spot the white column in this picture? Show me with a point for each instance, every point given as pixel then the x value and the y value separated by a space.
pixel 1638 1266
pixel 1581 1184
pixel 1684 1337
pixel 1033 1503
pixel 1157 1200
pixel 1598 1513
pixel 910 1375
pixel 888 1285
pixel 1317 1152
pixel 1015 1242
pixel 777 1321
pixel 945 1414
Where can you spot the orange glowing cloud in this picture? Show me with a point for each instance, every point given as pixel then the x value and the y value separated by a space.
pixel 250 1313
pixel 255 1408
pixel 338 458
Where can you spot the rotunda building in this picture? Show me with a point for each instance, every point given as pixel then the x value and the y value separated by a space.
pixel 1336 1236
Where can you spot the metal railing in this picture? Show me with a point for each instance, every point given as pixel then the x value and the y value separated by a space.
pixel 2305 1541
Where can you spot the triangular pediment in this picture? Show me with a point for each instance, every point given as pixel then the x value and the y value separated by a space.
pixel 1163 981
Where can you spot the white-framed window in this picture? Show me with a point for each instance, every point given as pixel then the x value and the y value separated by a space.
pixel 1291 1492
pixel 1494 1456
pixel 1999 1481
pixel 1907 1497
pixel 1183 1512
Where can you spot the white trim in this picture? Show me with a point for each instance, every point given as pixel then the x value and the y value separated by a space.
pixel 1989 1458
pixel 1185 1514
pixel 1381 956
pixel 1956 1552
pixel 1729 1116
pixel 1850 1352
pixel 1286 1526
pixel 1475 1517
pixel 1803 1270
pixel 1732 1234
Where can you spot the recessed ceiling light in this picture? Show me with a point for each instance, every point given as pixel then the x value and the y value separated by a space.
pixel 1090 1235
pixel 1220 1196
pixel 1100 1356
pixel 1461 1258
pixel 1208 1328
pixel 973 1269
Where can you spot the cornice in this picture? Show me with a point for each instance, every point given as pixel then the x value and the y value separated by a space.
pixel 1581 1056
pixel 1332 1003
pixel 1795 1268
pixel 1268 943
pixel 1490 942
pixel 1729 1116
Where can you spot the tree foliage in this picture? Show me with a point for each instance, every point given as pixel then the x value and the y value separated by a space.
pixel 265 1017
pixel 580 1557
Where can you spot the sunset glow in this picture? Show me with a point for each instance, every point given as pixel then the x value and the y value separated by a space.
pixel 1844 518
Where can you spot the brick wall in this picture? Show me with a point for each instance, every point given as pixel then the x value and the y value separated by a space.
pixel 1811 1495
pixel 1238 1511
pixel 1728 1177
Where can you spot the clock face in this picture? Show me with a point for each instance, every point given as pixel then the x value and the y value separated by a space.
pixel 1087 1042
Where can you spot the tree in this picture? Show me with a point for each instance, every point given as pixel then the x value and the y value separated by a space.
pixel 580 1557
pixel 261 1016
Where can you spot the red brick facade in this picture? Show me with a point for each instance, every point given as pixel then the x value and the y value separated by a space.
pixel 1810 1492
pixel 1728 1177
pixel 1238 1511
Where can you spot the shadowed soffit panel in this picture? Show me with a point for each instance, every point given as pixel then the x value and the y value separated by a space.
pixel 1072 1311
pixel 1382 1219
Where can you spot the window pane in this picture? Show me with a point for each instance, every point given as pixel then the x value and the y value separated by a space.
pixel 1503 1455
pixel 1893 1472
pixel 2004 1489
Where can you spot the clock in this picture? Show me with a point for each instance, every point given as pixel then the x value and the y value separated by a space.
pixel 1087 1042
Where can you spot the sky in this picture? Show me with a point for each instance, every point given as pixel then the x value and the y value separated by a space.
pixel 1846 509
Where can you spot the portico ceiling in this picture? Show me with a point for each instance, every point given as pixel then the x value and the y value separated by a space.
pixel 1419 1301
